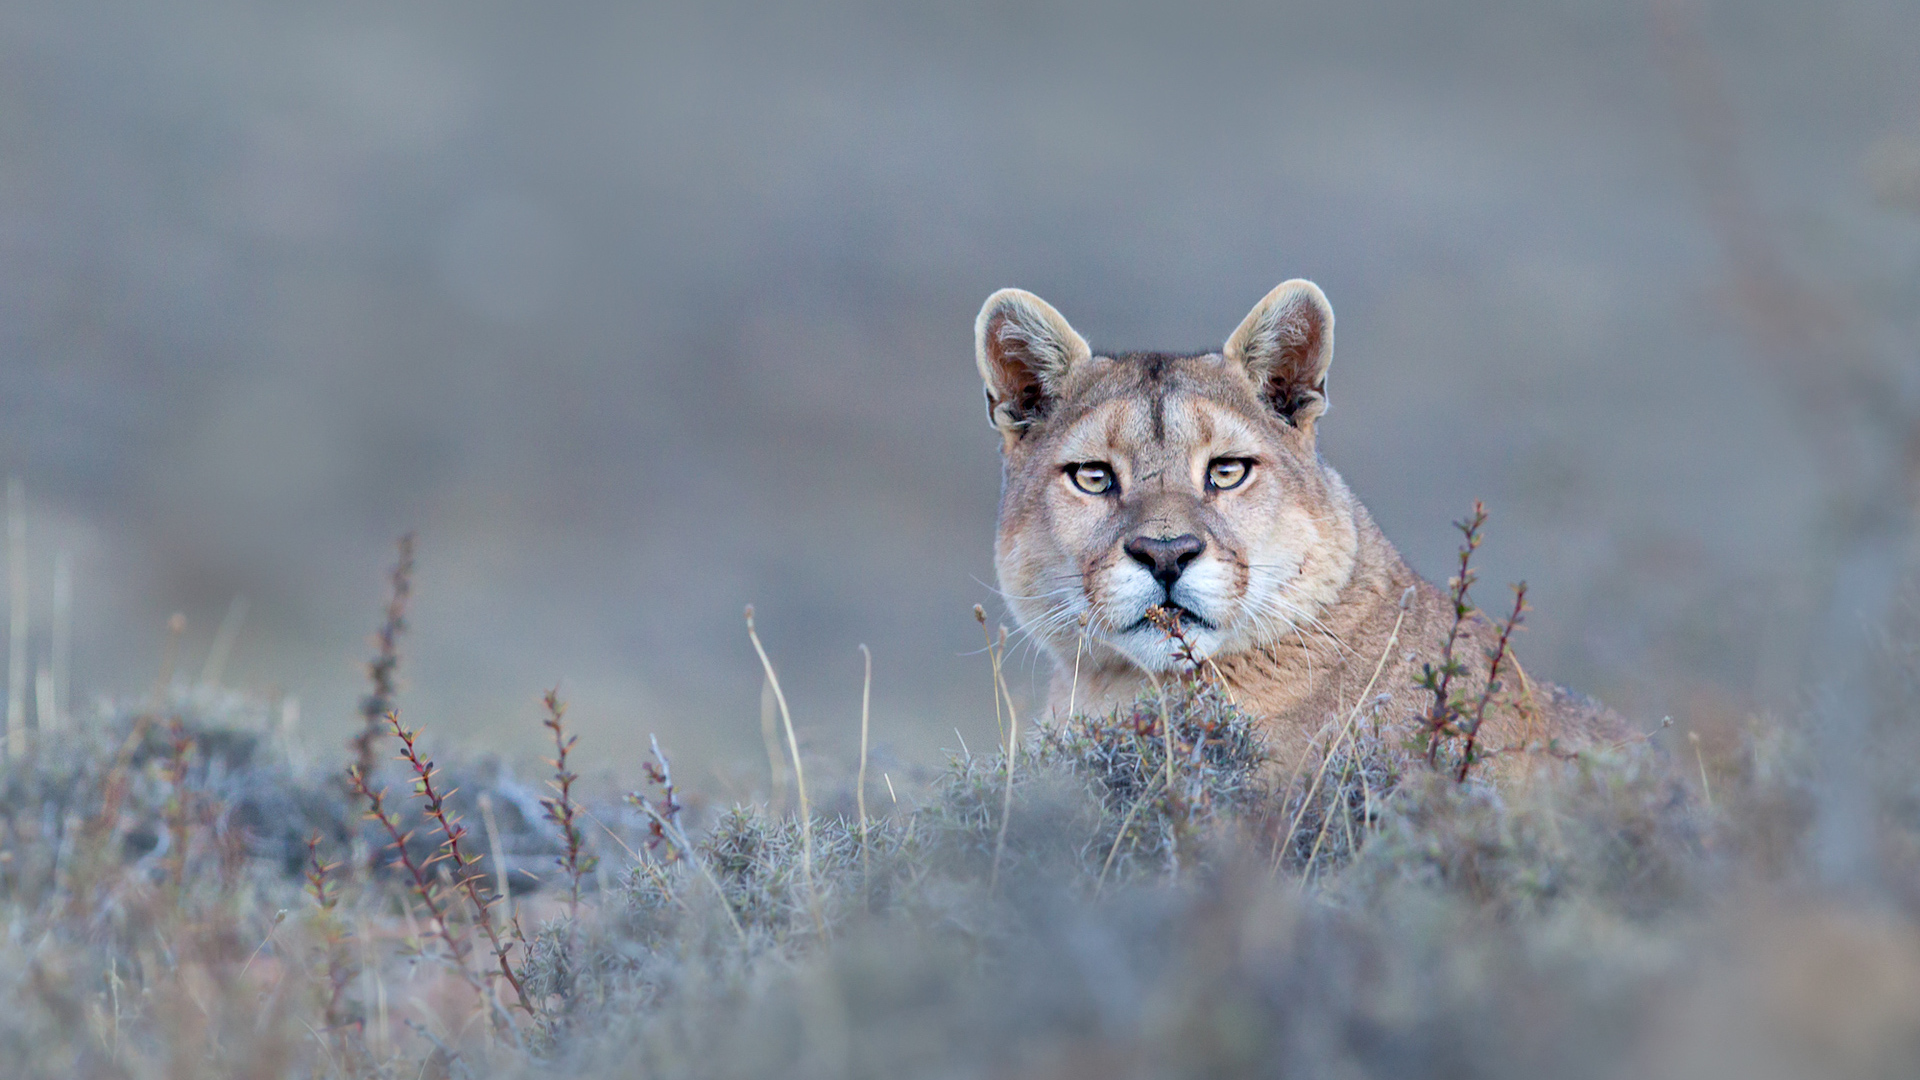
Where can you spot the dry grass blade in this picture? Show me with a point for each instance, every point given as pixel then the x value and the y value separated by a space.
pixel 1346 733
pixel 1079 646
pixel 1012 758
pixel 1706 788
pixel 993 669
pixel 799 778
pixel 1100 883
pixel 1166 734
pixel 496 853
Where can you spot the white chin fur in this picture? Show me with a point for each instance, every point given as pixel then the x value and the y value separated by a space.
pixel 1133 591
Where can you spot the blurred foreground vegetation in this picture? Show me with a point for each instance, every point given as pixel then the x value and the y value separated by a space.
pixel 1144 896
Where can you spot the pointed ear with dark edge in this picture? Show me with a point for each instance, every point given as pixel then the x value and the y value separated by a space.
pixel 1025 350
pixel 1286 343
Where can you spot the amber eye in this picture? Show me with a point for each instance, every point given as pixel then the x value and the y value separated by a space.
pixel 1224 473
pixel 1092 477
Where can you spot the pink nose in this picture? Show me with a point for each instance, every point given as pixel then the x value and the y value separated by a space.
pixel 1165 559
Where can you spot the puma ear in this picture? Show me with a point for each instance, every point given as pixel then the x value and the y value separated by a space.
pixel 1286 343
pixel 1025 350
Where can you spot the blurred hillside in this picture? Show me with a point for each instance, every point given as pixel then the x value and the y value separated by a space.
pixel 640 313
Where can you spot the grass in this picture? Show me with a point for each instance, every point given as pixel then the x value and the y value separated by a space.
pixel 1134 893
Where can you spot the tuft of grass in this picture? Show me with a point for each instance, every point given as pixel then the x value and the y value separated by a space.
pixel 799 771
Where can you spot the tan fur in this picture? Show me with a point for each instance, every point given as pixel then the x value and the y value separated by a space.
pixel 1297 601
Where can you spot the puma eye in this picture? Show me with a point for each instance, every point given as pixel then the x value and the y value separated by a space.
pixel 1092 477
pixel 1225 473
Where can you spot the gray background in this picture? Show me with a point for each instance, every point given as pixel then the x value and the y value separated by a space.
pixel 639 313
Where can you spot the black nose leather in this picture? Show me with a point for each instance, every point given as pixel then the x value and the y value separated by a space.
pixel 1165 558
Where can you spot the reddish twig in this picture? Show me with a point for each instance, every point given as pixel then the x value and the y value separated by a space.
pixel 1443 716
pixel 1495 657
pixel 664 815
pixel 561 809
pixel 1184 650
pixel 422 881
pixel 383 669
pixel 465 878
pixel 316 874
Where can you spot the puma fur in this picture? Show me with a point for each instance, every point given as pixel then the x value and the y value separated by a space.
pixel 1191 483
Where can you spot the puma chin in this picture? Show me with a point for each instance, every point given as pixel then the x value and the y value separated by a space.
pixel 1191 483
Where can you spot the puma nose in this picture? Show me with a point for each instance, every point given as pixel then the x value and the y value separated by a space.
pixel 1165 559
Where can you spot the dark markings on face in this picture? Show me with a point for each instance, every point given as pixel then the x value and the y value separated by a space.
pixel 1155 373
